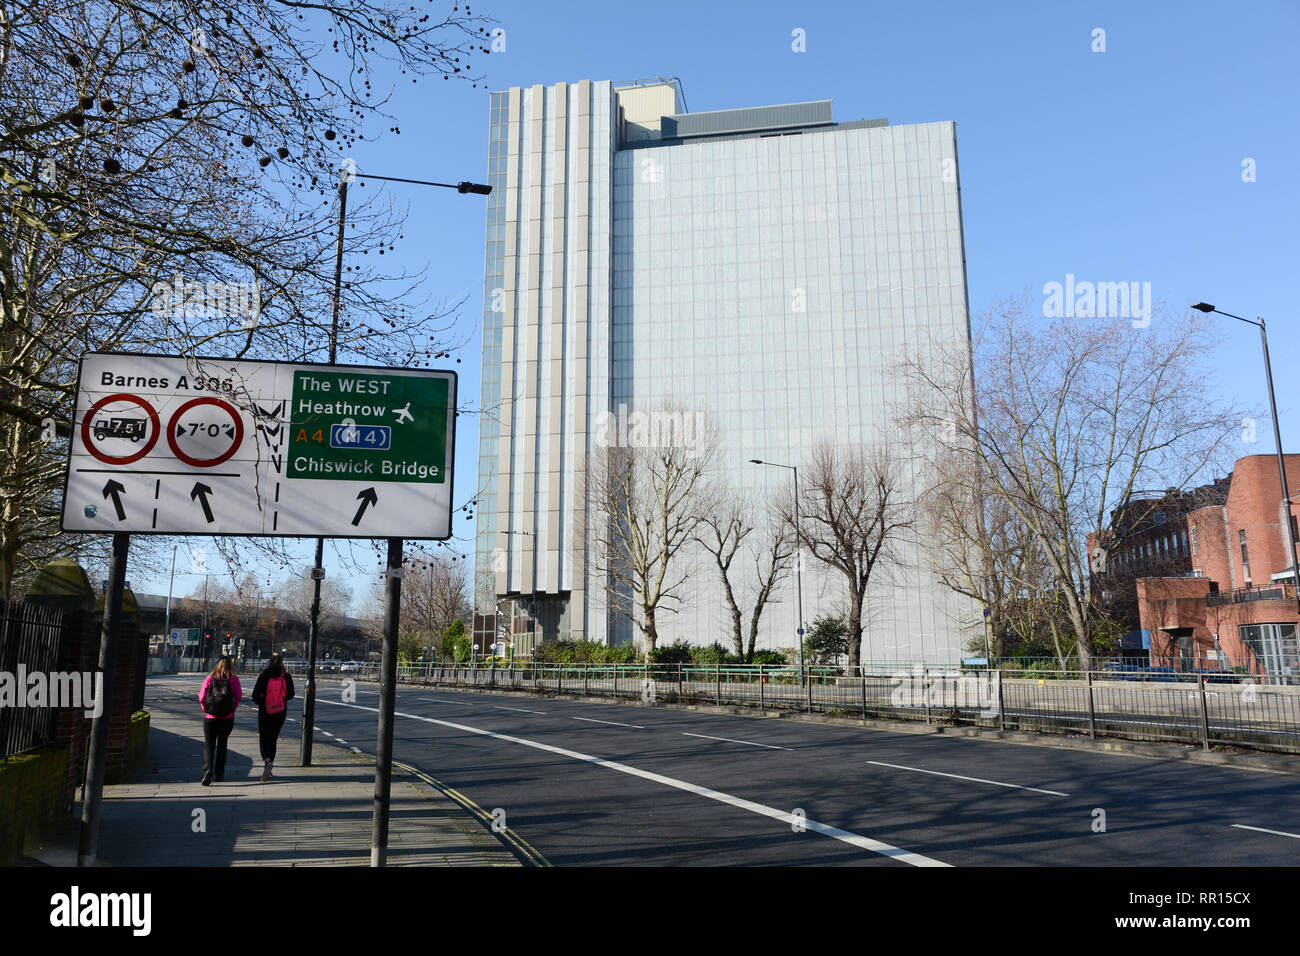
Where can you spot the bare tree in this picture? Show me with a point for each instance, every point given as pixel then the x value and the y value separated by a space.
pixel 852 515
pixel 296 594
pixel 726 532
pixel 1072 417
pixel 435 592
pixel 647 502
pixel 153 160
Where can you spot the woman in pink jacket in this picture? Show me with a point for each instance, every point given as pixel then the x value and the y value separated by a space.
pixel 219 697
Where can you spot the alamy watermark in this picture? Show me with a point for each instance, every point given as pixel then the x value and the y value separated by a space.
pixel 41 689
pixel 1098 300
pixel 211 300
pixel 625 429
pixel 923 687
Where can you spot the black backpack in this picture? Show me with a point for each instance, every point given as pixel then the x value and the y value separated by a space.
pixel 220 701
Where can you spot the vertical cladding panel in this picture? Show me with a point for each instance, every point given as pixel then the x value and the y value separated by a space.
pixel 528 419
pixel 600 278
pixel 553 354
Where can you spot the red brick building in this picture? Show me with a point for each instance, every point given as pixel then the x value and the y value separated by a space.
pixel 1235 605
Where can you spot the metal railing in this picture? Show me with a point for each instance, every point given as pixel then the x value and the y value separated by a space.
pixel 31 637
pixel 1185 708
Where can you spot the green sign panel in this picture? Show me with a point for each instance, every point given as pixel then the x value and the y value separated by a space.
pixel 369 426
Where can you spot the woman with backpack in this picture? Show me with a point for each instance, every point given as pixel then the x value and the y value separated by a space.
pixel 272 693
pixel 219 697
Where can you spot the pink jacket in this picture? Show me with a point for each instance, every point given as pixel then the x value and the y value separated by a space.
pixel 235 689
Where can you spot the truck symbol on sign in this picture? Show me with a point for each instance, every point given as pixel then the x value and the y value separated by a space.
pixel 132 428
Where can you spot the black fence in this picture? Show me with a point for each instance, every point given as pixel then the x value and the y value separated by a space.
pixel 30 640
pixel 1148 704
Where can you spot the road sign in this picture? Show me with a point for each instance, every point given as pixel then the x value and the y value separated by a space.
pixel 184 636
pixel 170 445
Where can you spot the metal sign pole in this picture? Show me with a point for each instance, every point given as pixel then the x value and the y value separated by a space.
pixel 387 704
pixel 93 789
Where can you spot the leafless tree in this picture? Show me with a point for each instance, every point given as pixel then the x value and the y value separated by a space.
pixel 144 147
pixel 853 514
pixel 1071 417
pixel 295 594
pixel 435 592
pixel 727 533
pixel 647 503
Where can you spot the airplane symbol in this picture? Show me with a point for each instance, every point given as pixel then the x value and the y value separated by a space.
pixel 404 413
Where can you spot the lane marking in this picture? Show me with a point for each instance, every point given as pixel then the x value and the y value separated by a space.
pixel 846 836
pixel 612 723
pixel 513 840
pixel 439 700
pixel 521 710
pixel 730 741
pixel 957 776
pixel 1242 826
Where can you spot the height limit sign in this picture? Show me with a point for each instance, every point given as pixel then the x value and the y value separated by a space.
pixel 171 445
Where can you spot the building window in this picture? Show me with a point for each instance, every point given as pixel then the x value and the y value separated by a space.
pixel 1196 547
pixel 1245 555
pixel 1275 647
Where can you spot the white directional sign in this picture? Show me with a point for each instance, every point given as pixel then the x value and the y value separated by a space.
pixel 213 446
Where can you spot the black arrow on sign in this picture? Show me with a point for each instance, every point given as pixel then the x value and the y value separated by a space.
pixel 201 491
pixel 115 488
pixel 367 497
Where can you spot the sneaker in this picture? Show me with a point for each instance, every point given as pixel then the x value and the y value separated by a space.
pixel 266 772
pixel 207 779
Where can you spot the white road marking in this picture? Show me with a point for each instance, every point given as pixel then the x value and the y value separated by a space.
pixel 356 750
pixel 957 776
pixel 784 816
pixel 612 723
pixel 439 700
pixel 1242 826
pixel 730 741
pixel 521 710
pixel 325 732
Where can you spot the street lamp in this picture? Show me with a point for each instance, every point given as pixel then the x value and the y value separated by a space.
pixel 318 569
pixel 1277 438
pixel 798 564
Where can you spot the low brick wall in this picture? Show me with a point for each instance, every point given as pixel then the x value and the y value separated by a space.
pixel 31 804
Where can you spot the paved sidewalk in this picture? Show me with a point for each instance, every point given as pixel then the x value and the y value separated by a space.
pixel 305 816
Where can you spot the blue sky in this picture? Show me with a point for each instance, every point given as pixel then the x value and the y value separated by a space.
pixel 1116 165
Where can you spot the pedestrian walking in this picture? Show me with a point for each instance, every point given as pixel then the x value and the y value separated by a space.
pixel 272 693
pixel 219 698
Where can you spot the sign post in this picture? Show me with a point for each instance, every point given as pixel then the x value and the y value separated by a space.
pixel 163 444
pixel 93 789
pixel 387 704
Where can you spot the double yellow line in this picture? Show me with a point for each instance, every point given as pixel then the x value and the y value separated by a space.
pixel 517 844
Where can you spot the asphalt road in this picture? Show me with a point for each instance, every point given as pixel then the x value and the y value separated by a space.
pixel 626 785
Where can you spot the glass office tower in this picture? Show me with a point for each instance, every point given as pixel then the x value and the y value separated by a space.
pixel 765 267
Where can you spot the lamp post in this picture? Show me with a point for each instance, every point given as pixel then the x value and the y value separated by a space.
pixel 318 570
pixel 1277 439
pixel 798 563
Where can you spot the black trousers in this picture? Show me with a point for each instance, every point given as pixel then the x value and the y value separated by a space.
pixel 268 732
pixel 216 732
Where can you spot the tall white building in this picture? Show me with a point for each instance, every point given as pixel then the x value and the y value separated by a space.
pixel 766 266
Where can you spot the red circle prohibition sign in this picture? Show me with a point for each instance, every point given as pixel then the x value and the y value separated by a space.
pixel 125 459
pixel 202 462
